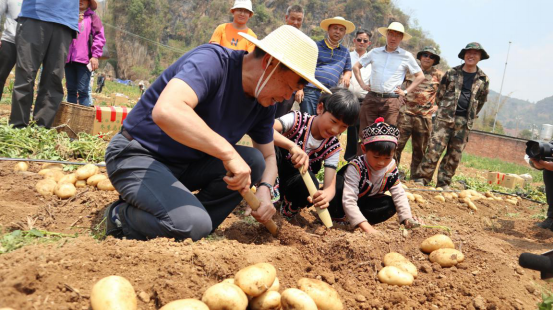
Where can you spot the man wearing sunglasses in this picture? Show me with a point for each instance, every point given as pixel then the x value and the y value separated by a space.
pixel 415 117
pixel 361 43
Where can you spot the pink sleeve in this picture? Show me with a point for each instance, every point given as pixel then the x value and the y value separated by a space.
pixel 99 39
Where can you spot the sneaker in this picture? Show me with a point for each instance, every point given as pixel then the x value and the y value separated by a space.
pixel 418 182
pixel 114 227
pixel 546 224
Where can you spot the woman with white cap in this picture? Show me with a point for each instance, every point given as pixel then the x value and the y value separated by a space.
pixel 227 34
pixel 181 137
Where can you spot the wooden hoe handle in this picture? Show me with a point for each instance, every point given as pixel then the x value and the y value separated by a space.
pixel 323 213
pixel 254 203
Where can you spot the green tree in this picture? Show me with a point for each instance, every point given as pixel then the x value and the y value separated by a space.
pixel 525 134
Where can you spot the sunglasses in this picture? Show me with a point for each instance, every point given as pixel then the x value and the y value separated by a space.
pixel 362 40
pixel 431 56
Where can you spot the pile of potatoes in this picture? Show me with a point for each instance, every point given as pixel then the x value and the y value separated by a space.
pixel 442 250
pixel 397 270
pixel 255 287
pixel 65 186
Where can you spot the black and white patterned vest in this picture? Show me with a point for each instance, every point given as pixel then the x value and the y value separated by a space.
pixel 391 177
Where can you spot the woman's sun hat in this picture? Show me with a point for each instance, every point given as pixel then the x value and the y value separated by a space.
pixel 338 20
pixel 396 27
pixel 293 49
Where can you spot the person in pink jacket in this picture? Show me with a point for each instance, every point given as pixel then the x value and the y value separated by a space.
pixel 84 52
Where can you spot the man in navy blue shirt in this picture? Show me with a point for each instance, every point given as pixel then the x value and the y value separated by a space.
pixel 45 29
pixel 181 137
pixel 333 63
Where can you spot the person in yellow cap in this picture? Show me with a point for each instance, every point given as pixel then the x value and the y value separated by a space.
pixel 227 34
pixel 390 64
pixel 333 62
pixel 181 137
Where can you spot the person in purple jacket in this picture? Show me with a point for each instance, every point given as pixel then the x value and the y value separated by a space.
pixel 43 34
pixel 83 55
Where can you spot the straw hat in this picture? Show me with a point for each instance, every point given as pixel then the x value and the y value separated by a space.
pixel 338 20
pixel 242 4
pixel 396 27
pixel 292 48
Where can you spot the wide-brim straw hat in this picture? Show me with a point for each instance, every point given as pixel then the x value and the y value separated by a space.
pixel 338 20
pixel 293 49
pixel 92 5
pixel 243 4
pixel 396 27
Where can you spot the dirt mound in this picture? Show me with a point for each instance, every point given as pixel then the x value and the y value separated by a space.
pixel 60 275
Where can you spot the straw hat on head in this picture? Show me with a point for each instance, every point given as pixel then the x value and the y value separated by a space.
pixel 242 4
pixel 293 49
pixel 396 27
pixel 338 20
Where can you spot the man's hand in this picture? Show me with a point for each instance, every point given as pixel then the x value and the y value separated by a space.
pixel 299 158
pixel 541 164
pixel 432 110
pixel 238 177
pixel 366 87
pixel 299 96
pixel 346 82
pixel 94 63
pixel 399 91
pixel 266 208
pixel 320 199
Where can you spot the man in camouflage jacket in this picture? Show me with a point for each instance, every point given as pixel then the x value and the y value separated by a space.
pixel 415 117
pixel 462 93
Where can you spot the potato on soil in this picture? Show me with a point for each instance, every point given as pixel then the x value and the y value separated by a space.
pixel 225 296
pixel 256 279
pixel 276 285
pixel 185 304
pixel 230 281
pixel 419 198
pixel 410 196
pixel 454 195
pixel 435 242
pixel 113 293
pixel 68 179
pixel 21 167
pixel 447 257
pixel 440 198
pixel 65 191
pixel 295 299
pixel 105 184
pixel 86 171
pixel 80 184
pixel 395 276
pixel 95 179
pixel 46 187
pixel 269 300
pixel 399 261
pixel 52 166
pixel 55 175
pixel 472 206
pixel 463 194
pixel 324 295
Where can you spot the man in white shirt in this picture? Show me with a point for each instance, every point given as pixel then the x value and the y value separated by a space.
pixel 11 9
pixel 390 64
pixel 361 42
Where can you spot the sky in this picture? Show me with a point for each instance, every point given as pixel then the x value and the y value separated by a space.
pixel 494 23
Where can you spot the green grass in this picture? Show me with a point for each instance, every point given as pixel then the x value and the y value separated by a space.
pixel 20 238
pixel 497 165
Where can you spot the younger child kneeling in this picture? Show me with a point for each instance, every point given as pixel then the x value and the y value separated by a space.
pixel 308 141
pixel 361 184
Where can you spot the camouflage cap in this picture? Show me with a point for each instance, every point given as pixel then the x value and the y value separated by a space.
pixel 474 46
pixel 431 50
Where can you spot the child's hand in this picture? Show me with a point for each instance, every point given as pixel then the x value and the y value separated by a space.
pixel 299 158
pixel 411 223
pixel 371 230
pixel 320 199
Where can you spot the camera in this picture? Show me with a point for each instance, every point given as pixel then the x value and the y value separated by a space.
pixel 538 150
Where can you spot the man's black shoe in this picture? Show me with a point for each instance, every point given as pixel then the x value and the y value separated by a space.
pixel 546 224
pixel 113 226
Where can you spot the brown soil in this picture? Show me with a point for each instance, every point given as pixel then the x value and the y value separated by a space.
pixel 60 275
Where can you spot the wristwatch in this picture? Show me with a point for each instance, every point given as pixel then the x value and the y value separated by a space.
pixel 268 185
pixel 405 91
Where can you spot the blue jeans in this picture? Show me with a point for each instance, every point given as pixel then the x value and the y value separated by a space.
pixel 77 78
pixel 310 100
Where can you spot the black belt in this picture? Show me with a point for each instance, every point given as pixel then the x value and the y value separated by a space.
pixel 385 95
pixel 126 134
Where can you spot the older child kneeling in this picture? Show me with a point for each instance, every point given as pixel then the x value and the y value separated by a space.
pixel 361 184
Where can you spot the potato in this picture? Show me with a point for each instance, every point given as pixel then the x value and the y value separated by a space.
pixel 225 296
pixel 512 201
pixel 80 184
pixel 105 185
pixel 276 285
pixel 395 276
pixel 86 171
pixel 489 194
pixel 439 188
pixel 256 279
pixel 95 179
pixel 446 257
pixel 185 304
pixel 21 167
pixel 435 242
pixel 269 300
pixel 410 196
pixel 472 206
pixel 113 293
pixel 448 196
pixel 230 281
pixel 463 194
pixel 454 195
pixel 474 193
pixel 399 261
pixel 65 191
pixel 52 166
pixel 439 198
pixel 68 179
pixel 419 198
pixel 46 187
pixel 498 198
pixel 55 175
pixel 295 299
pixel 324 295
pixel 431 188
